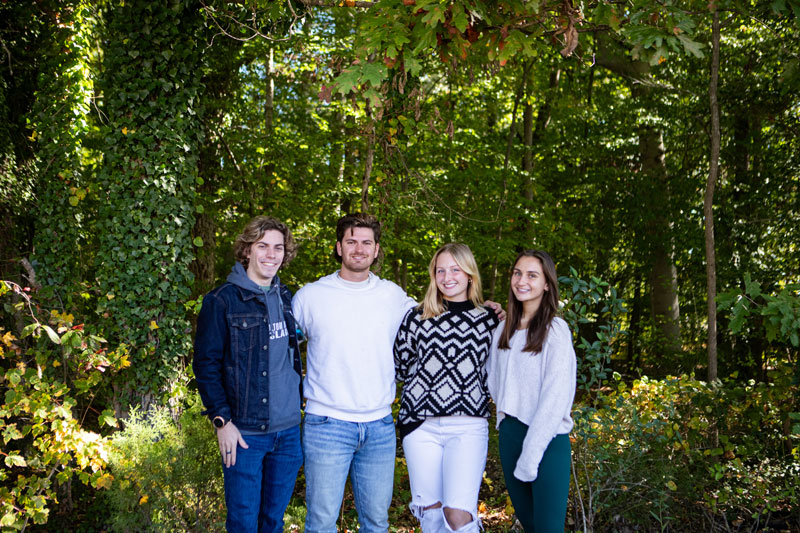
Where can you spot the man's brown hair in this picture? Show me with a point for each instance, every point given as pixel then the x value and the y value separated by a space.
pixel 358 220
pixel 255 230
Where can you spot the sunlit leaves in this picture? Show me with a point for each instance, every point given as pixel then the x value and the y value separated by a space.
pixel 778 314
pixel 60 365
pixel 678 439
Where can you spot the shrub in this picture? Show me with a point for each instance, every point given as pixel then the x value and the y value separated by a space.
pixel 593 311
pixel 51 372
pixel 671 451
pixel 167 473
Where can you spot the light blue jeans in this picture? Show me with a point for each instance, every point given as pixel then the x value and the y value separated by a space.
pixel 333 448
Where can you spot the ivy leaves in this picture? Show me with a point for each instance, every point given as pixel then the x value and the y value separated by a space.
pixel 148 183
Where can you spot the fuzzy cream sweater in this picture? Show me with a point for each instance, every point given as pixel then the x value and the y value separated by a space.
pixel 536 388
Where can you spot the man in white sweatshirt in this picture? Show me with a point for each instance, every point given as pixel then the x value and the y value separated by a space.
pixel 351 318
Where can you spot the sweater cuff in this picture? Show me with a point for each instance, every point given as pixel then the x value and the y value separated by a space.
pixel 525 474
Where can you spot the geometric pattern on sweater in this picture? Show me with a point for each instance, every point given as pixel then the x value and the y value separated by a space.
pixel 442 362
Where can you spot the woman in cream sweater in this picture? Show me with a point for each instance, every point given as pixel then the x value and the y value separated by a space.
pixel 531 377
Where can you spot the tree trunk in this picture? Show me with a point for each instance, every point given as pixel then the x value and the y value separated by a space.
pixel 269 116
pixel 368 162
pixel 527 138
pixel 655 200
pixel 147 197
pixel 269 106
pixel 336 165
pixel 665 307
pixel 635 324
pixel 228 61
pixel 509 145
pixel 708 202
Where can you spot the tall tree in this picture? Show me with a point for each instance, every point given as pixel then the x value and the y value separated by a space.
pixel 708 203
pixel 152 101
pixel 64 122
pixel 654 194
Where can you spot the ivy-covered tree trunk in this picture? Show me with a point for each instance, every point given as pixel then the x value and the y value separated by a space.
pixel 151 93
pixel 62 120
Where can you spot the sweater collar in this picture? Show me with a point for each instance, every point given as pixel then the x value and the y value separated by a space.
pixel 459 307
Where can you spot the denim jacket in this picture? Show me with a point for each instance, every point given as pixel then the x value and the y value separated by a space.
pixel 230 369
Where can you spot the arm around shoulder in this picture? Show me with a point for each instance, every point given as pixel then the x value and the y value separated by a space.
pixel 298 309
pixel 405 350
pixel 492 366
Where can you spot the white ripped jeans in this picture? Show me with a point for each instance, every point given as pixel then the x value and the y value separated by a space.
pixel 446 457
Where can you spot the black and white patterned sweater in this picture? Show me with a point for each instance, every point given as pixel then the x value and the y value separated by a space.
pixel 442 363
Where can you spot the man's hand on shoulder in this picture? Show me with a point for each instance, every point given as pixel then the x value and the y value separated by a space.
pixel 228 437
pixel 497 308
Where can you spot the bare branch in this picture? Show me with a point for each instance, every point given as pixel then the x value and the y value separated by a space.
pixel 31 273
pixel 224 144
pixel 338 3
pixel 251 31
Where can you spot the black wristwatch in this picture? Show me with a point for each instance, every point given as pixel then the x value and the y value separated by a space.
pixel 219 422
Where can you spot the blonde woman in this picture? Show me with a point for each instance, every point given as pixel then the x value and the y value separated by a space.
pixel 440 352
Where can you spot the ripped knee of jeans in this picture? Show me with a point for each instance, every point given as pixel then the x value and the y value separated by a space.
pixel 419 509
pixel 455 520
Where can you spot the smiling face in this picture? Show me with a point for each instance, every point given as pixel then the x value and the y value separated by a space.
pixel 451 280
pixel 265 257
pixel 358 250
pixel 528 282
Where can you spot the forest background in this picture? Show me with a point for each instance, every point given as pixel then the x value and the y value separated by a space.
pixel 651 146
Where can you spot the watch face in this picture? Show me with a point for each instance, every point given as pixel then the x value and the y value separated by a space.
pixel 219 422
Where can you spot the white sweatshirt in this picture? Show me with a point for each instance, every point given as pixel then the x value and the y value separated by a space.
pixel 351 329
pixel 536 388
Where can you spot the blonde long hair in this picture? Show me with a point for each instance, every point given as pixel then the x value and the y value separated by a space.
pixel 433 303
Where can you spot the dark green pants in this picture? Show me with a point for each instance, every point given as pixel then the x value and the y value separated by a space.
pixel 541 505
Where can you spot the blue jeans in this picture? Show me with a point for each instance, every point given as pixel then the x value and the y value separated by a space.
pixel 259 486
pixel 333 448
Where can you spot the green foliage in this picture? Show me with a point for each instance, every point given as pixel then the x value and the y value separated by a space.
pixel 147 185
pixel 61 123
pixel 136 137
pixel 778 315
pixel 51 372
pixel 657 33
pixel 411 34
pixel 167 474
pixel 660 454
pixel 592 310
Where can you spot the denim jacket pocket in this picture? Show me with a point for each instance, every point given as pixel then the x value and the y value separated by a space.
pixel 244 332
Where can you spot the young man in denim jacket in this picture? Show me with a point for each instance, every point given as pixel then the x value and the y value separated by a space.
pixel 247 366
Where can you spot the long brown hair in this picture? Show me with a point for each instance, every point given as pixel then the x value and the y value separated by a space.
pixel 548 309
